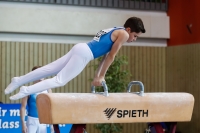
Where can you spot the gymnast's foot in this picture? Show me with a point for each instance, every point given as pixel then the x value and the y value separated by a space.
pixel 12 86
pixel 22 93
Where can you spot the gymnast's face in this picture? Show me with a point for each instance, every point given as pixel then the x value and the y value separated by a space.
pixel 132 35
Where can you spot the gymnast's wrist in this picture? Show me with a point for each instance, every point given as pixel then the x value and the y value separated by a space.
pixel 101 77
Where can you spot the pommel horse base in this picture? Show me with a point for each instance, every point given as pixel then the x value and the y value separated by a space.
pixel 77 108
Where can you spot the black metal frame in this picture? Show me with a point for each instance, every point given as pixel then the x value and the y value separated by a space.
pixel 155 5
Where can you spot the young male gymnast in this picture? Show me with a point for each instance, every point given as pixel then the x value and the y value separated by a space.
pixel 106 42
pixel 32 125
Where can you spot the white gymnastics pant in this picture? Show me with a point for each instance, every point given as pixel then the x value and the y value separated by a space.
pixel 66 68
pixel 34 126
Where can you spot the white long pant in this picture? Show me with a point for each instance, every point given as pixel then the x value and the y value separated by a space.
pixel 66 68
pixel 34 126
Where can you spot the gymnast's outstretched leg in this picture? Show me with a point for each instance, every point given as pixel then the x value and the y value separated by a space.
pixel 80 57
pixel 45 71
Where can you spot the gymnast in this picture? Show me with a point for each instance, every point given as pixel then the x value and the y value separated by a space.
pixel 32 125
pixel 106 42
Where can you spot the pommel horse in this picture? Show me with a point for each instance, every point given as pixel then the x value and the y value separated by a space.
pixel 104 107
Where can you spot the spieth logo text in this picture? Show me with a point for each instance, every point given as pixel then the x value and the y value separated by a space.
pixel 109 112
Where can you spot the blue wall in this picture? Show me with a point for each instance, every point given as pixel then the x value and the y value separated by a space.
pixel 10 120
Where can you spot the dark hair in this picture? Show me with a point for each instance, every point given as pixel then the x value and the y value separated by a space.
pixel 135 24
pixel 35 67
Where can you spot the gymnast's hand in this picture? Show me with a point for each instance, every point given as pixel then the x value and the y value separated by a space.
pixel 24 129
pixel 98 81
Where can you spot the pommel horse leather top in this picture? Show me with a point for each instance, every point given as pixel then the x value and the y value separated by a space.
pixel 62 108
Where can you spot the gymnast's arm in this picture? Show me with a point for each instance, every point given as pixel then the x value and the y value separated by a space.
pixel 22 114
pixel 121 38
pixel 100 66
